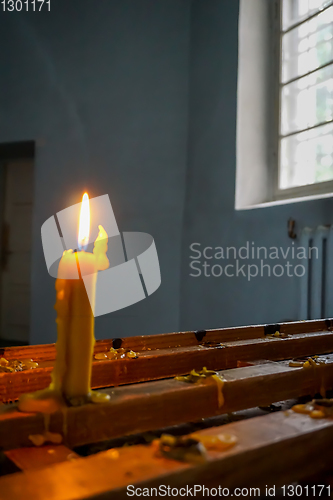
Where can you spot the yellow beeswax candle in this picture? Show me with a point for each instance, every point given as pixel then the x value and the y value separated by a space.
pixel 75 320
pixel 71 375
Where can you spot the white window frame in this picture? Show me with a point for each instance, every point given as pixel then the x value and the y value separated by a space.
pixel 259 111
pixel 308 189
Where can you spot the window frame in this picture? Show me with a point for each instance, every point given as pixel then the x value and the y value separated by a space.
pixel 318 188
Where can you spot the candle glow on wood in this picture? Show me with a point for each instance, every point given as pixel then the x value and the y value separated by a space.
pixel 76 281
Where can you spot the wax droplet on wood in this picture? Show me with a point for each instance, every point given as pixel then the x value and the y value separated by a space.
pixel 37 439
pixel 317 408
pixel 305 409
pixel 113 454
pixel 112 354
pixel 101 355
pixel 317 414
pixel 16 365
pixel 29 364
pixel 295 364
pixel 40 439
pixel 99 397
pixel 220 383
pixel 219 442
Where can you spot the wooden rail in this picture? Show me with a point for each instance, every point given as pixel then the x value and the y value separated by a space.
pixel 271 451
pixel 177 339
pixel 168 402
pixel 169 362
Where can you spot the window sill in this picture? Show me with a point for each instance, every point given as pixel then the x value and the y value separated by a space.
pixel 285 201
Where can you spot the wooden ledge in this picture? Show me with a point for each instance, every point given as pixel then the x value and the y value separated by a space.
pixel 153 405
pixel 164 363
pixel 271 450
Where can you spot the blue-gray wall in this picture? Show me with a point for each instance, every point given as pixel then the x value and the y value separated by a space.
pixel 102 87
pixel 137 99
pixel 210 218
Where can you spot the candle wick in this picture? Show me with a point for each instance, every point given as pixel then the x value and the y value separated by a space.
pixel 78 264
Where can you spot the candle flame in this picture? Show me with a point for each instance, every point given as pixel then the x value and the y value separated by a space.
pixel 84 225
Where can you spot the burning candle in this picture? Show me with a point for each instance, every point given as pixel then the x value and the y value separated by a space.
pixel 71 375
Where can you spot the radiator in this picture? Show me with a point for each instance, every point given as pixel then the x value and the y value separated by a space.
pixel 316 294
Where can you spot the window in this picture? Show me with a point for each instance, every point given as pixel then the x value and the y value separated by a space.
pixel 306 97
pixel 284 102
